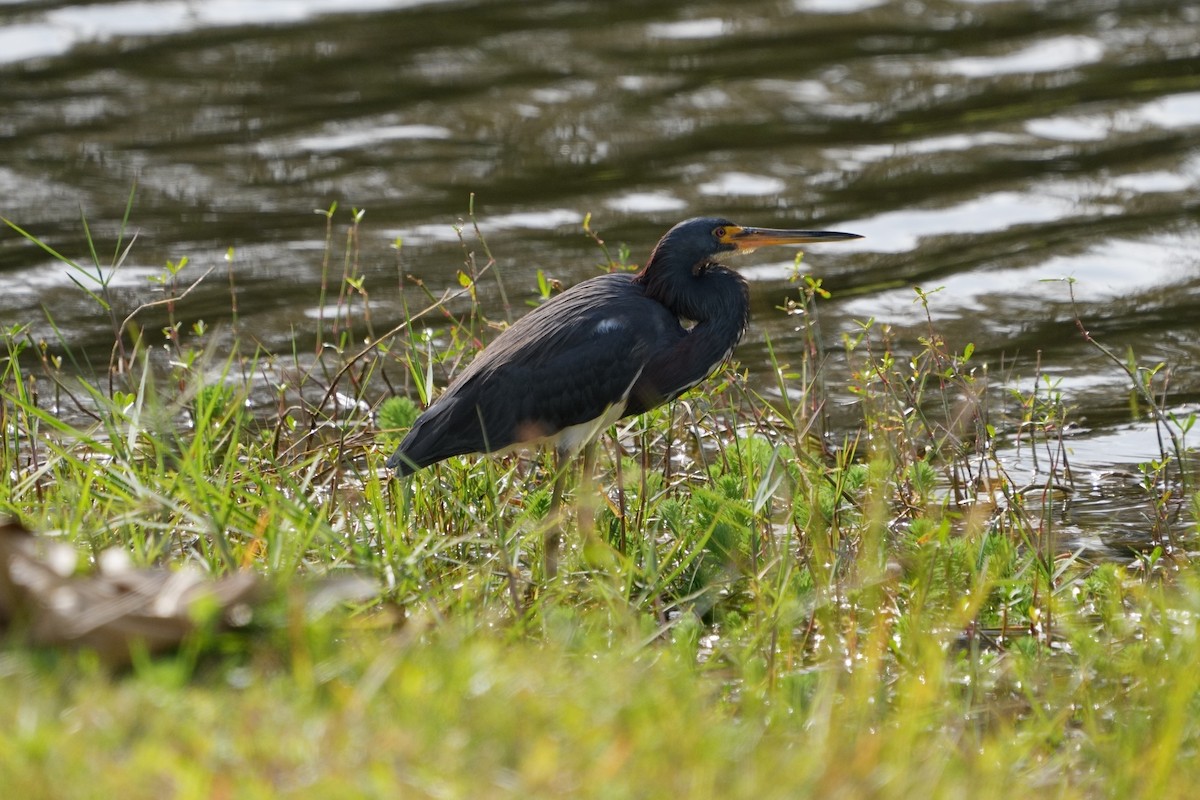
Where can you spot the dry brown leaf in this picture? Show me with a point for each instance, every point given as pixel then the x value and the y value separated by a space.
pixel 114 611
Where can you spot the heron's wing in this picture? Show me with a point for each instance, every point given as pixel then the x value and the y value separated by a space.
pixel 581 382
pixel 670 372
pixel 564 364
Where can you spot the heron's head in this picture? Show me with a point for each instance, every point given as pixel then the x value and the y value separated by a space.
pixel 695 242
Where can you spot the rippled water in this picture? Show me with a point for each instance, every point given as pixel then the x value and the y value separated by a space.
pixel 981 146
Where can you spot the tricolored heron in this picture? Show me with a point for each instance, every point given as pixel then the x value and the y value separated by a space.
pixel 611 347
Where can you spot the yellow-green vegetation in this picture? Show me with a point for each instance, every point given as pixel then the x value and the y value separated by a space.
pixel 746 607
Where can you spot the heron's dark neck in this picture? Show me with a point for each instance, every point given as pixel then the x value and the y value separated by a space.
pixel 713 296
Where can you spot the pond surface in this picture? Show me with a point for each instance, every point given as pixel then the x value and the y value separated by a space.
pixel 985 148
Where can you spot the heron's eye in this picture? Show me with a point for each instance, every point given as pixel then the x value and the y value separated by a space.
pixel 719 233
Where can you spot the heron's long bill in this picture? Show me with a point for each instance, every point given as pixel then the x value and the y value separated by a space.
pixel 747 239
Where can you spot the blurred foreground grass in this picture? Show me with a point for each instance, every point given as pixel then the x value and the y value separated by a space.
pixel 756 607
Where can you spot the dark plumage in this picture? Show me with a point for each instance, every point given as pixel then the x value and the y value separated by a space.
pixel 607 348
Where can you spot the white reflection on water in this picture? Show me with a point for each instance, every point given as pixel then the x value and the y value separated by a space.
pixel 869 153
pixel 1114 269
pixel 646 203
pixel 491 223
pixel 836 6
pixel 742 183
pixel 1173 111
pixel 58 30
pixel 1123 267
pixel 1160 181
pixel 710 28
pixel 900 231
pixel 53 276
pixel 1062 52
pixel 363 136
pixel 1116 446
pixel 36 40
pixel 1071 129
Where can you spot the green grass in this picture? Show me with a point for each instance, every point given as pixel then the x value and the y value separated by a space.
pixel 754 611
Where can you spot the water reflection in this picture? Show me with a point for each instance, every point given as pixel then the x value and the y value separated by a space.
pixel 58 29
pixel 1061 52
pixel 901 231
